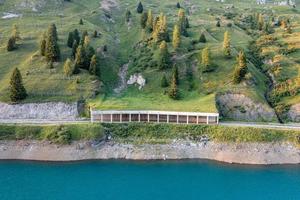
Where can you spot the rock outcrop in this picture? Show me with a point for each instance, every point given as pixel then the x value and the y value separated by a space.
pixel 38 111
pixel 137 79
pixel 242 108
pixel 293 114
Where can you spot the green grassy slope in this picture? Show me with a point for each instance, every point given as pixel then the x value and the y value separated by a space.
pixel 45 84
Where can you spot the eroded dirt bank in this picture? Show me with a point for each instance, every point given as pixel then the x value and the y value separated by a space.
pixel 244 153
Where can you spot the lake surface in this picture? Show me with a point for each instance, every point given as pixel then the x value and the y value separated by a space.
pixel 127 180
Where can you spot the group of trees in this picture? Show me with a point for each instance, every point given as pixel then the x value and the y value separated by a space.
pixel 173 90
pixel 49 45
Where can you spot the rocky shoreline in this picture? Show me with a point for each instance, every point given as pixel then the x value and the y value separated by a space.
pixel 242 153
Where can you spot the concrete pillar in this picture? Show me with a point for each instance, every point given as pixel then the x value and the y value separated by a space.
pixel 101 117
pixel 217 119
pixel 157 118
pixel 139 117
pixel 207 119
pixel 177 119
pixel 121 117
pixel 111 118
pixel 129 117
pixel 148 118
pixel 168 118
pixel 187 119
pixel 197 119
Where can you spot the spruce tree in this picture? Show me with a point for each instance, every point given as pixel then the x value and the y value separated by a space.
pixel 164 81
pixel 80 21
pixel 205 59
pixel 85 33
pixel 70 40
pixel 143 21
pixel 68 68
pixel 182 22
pixel 93 65
pixel 127 16
pixel 95 35
pixel 17 89
pixel 140 8
pixel 76 36
pixel 173 92
pixel 74 48
pixel 176 37
pixel 241 68
pixel 90 52
pixel 149 23
pixel 226 45
pixel 178 5
pixel 218 24
pixel 15 32
pixel 187 23
pixel 80 57
pixel 202 38
pixel 260 22
pixel 43 45
pixel 160 31
pixel 164 59
pixel 52 49
pixel 11 44
pixel 175 73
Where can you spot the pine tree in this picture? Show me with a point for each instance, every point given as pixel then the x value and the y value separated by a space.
pixel 52 52
pixel 87 41
pixel 260 22
pixel 85 33
pixel 205 59
pixel 202 38
pixel 182 22
pixel 95 35
pixel 68 68
pixel 70 40
pixel 140 8
pixel 187 23
pixel 90 52
pixel 127 15
pixel 80 57
pixel 226 45
pixel 218 24
pixel 15 32
pixel 175 73
pixel 178 5
pixel 241 68
pixel 176 37
pixel 173 92
pixel 164 82
pixel 143 22
pixel 93 65
pixel 149 23
pixel 17 89
pixel 81 22
pixel 160 31
pixel 43 45
pixel 164 59
pixel 74 48
pixel 11 44
pixel 76 36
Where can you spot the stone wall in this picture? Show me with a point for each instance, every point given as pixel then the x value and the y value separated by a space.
pixel 241 108
pixel 45 111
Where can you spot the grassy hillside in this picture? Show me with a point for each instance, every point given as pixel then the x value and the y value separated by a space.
pixel 122 39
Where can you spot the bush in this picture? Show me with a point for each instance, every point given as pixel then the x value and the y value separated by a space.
pixel 58 135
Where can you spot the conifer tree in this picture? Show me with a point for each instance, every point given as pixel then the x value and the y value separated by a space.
pixel 127 15
pixel 176 73
pixel 70 40
pixel 178 5
pixel 202 38
pixel 205 59
pixel 15 32
pixel 95 35
pixel 226 45
pixel 140 8
pixel 85 33
pixel 143 21
pixel 68 68
pixel 80 57
pixel 164 59
pixel 80 21
pixel 87 41
pixel 260 22
pixel 52 49
pixel 74 48
pixel 17 89
pixel 182 22
pixel 149 23
pixel 93 65
pixel 90 52
pixel 173 92
pixel 160 31
pixel 218 24
pixel 76 36
pixel 11 44
pixel 43 45
pixel 187 23
pixel 241 68
pixel 164 82
pixel 176 37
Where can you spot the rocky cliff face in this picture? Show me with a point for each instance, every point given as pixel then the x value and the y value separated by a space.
pixel 241 108
pixel 46 111
pixel 293 114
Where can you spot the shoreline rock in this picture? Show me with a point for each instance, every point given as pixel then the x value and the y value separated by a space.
pixel 241 153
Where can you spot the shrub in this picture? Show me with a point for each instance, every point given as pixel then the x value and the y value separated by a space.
pixel 58 135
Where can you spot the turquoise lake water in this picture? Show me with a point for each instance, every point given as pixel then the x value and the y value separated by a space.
pixel 146 180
